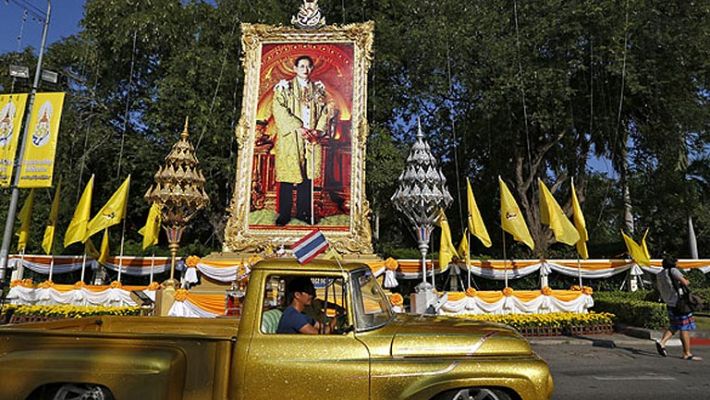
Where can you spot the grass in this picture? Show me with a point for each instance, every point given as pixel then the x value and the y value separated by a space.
pixel 703 323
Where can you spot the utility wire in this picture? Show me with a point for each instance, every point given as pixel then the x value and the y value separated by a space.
pixel 522 91
pixel 219 81
pixel 36 12
pixel 128 103
pixel 618 115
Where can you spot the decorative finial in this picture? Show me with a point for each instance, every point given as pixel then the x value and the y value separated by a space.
pixel 185 134
pixel 420 134
pixel 309 16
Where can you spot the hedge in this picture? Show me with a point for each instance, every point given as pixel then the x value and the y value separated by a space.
pixel 64 311
pixel 632 309
pixel 556 319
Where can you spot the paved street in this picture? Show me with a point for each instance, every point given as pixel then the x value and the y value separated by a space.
pixel 589 369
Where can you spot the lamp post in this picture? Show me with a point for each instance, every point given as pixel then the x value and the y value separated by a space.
pixel 179 190
pixel 15 193
pixel 419 196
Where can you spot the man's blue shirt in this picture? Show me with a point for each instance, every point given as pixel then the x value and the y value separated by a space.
pixel 292 321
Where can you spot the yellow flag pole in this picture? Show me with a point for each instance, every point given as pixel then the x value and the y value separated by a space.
pixel 120 258
pixel 505 261
pixel 152 265
pixel 468 258
pixel 51 268
pixel 83 266
pixel 21 268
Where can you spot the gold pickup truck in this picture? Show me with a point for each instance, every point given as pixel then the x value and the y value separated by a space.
pixel 371 354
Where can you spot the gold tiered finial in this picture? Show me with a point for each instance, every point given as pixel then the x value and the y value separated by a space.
pixel 185 133
pixel 179 190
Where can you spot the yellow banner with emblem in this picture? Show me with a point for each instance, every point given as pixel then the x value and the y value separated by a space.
pixel 41 141
pixel 12 110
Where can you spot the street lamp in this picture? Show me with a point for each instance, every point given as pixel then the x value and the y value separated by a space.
pixel 421 193
pixel 179 190
pixel 15 191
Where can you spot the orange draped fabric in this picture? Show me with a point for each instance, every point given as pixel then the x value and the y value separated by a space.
pixel 214 303
pixel 522 295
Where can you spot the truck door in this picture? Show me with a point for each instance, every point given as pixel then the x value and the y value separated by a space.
pixel 300 366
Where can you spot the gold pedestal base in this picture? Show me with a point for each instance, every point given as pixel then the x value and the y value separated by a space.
pixel 164 299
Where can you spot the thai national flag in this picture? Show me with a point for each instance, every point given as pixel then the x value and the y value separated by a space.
pixel 309 246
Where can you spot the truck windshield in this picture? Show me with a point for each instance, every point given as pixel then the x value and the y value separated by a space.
pixel 372 308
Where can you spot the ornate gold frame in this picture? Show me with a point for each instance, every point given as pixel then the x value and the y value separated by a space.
pixel 358 239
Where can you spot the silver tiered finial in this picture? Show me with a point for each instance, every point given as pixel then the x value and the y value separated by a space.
pixel 419 196
pixel 309 16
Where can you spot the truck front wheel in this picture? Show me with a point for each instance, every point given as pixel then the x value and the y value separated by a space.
pixel 474 394
pixel 72 391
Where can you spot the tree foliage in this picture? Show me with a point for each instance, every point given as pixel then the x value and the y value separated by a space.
pixel 521 90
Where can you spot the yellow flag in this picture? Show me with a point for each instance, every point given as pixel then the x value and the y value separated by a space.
pixel 151 230
pixel 551 214
pixel 447 251
pixel 462 248
pixel 635 251
pixel 90 249
pixel 104 248
pixel 12 109
pixel 48 239
pixel 25 216
pixel 580 224
pixel 77 227
pixel 644 247
pixel 41 142
pixel 112 212
pixel 511 218
pixel 475 221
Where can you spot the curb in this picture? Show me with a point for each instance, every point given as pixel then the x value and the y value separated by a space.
pixel 607 341
pixel 652 334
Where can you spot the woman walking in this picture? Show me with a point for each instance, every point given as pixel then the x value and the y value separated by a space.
pixel 669 281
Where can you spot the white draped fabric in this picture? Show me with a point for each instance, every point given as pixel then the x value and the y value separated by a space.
pixel 134 266
pixel 191 276
pixel 512 305
pixel 48 296
pixel 390 279
pixel 499 274
pixel 588 269
pixel 187 309
pixel 62 264
pixel 219 273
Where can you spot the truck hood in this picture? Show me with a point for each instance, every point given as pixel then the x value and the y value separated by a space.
pixel 437 336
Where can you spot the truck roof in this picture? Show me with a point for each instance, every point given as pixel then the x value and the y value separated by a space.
pixel 290 264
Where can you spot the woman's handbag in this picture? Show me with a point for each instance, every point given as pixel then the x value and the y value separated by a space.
pixel 687 301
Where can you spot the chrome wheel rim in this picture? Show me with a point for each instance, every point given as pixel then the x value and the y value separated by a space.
pixel 79 392
pixel 479 394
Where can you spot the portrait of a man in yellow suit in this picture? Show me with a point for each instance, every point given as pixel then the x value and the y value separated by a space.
pixel 300 112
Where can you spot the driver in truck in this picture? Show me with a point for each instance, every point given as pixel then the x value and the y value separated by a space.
pixel 301 293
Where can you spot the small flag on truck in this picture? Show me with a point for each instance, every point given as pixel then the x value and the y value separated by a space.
pixel 309 246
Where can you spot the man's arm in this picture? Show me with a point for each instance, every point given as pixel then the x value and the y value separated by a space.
pixel 309 329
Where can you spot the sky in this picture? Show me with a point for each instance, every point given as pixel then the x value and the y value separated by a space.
pixel 64 21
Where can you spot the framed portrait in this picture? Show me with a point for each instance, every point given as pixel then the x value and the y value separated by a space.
pixel 302 138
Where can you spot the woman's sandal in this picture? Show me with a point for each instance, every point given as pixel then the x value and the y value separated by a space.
pixel 661 350
pixel 692 358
